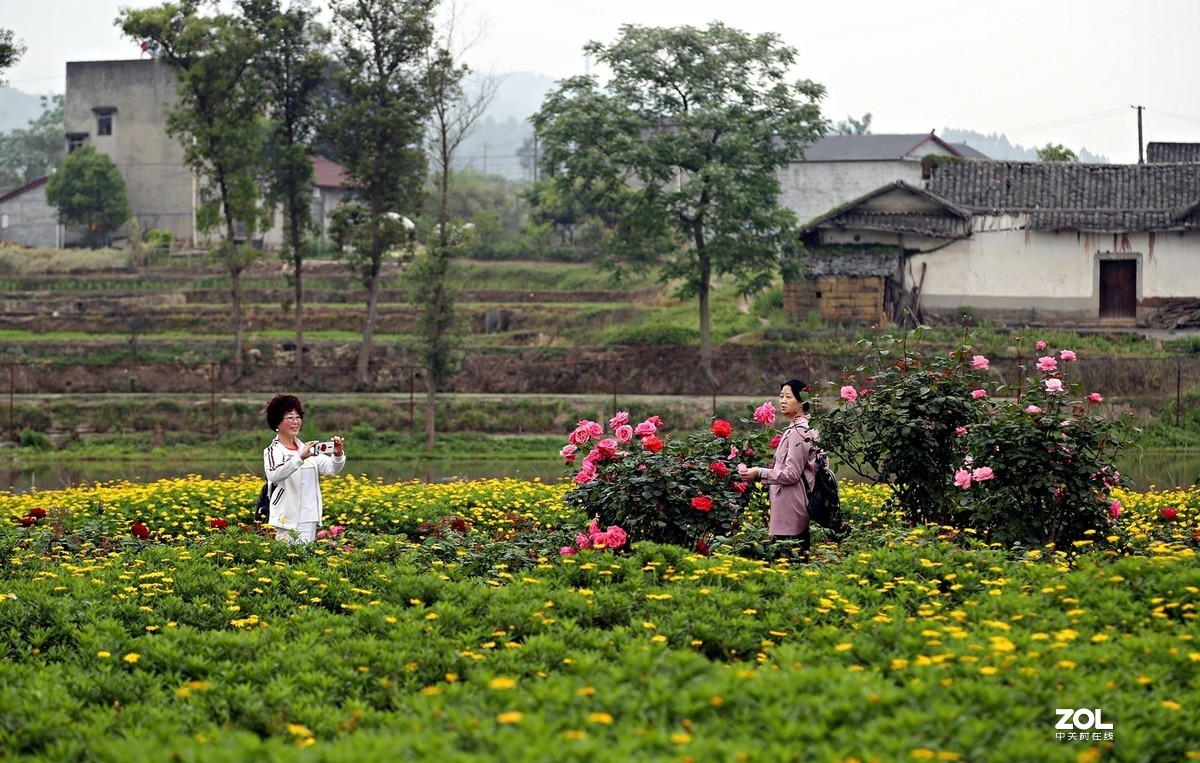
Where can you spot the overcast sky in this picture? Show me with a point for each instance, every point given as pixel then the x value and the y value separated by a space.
pixel 1038 71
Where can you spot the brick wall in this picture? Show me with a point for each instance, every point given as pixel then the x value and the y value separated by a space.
pixel 855 299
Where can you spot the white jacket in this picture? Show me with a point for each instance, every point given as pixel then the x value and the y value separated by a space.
pixel 282 467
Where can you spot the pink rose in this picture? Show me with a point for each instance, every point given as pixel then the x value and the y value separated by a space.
pixel 586 473
pixel 960 431
pixel 1095 398
pixel 606 447
pixel 1067 355
pixel 982 473
pixel 849 394
pixel 978 393
pixel 776 440
pixel 622 417
pixel 645 429
pixel 733 452
pixel 568 454
pixel 1114 509
pixel 567 551
pixel 624 434
pixel 979 363
pixel 1032 409
pixel 593 429
pixel 579 436
pixel 1054 385
pixel 962 478
pixel 1047 363
pixel 615 537
pixel 765 414
pixel 1040 345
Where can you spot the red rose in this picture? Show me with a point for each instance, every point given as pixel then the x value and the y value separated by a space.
pixel 775 440
pixel 140 530
pixel 741 486
pixel 459 525
pixel 1169 513
pixel 719 468
pixel 37 513
pixel 702 548
pixel 27 521
pixel 652 444
pixel 702 503
pixel 217 524
pixel 722 428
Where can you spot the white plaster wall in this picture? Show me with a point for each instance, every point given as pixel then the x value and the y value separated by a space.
pixel 811 189
pixel 31 220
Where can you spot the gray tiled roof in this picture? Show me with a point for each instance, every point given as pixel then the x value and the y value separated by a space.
pixel 870 148
pixel 1073 196
pixel 1173 152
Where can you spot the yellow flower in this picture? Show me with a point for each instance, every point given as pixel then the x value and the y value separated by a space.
pixel 103 654
pixel 132 657
pixel 1171 705
pixel 681 737
pixel 512 716
pixel 502 683
pixel 603 718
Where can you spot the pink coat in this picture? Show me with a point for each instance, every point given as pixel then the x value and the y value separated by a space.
pixel 795 460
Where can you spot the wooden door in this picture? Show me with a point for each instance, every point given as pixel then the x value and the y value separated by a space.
pixel 1118 288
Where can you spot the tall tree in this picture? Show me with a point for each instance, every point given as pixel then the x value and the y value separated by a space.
pixel 377 129
pixel 454 112
pixel 685 139
pixel 292 66
pixel 88 190
pixel 30 153
pixel 11 50
pixel 216 122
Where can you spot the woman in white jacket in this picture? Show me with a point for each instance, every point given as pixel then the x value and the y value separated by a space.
pixel 292 467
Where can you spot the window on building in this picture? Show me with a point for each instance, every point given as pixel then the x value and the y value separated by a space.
pixel 104 119
pixel 75 140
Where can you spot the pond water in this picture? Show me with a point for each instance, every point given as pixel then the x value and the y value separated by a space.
pixel 1161 470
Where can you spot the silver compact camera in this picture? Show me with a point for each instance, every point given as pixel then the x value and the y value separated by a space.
pixel 324 447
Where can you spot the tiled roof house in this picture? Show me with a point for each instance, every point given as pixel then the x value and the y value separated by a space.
pixel 1032 241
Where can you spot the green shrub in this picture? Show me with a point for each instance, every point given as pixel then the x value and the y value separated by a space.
pixel 651 336
pixel 34 440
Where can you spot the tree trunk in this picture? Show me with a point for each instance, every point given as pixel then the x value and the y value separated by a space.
pixel 704 279
pixel 296 245
pixel 364 352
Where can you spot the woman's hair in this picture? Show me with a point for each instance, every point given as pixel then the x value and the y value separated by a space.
pixel 798 388
pixel 280 406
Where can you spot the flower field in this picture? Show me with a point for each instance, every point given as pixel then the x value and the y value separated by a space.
pixel 147 622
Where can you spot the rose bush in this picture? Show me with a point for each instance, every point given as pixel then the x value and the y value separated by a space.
pixel 682 491
pixel 902 426
pixel 1026 464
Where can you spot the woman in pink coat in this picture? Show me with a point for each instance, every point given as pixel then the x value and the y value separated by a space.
pixel 794 467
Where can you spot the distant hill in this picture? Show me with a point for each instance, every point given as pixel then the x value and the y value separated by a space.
pixel 996 146
pixel 17 108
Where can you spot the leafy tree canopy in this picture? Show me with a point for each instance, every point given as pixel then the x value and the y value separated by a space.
pixel 684 142
pixel 11 50
pixel 88 190
pixel 1056 152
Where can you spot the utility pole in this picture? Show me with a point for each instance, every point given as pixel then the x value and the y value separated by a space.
pixel 1141 157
